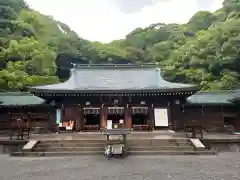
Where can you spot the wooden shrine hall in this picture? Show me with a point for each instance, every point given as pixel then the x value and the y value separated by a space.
pixel 115 96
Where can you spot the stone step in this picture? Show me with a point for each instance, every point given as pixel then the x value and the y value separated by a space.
pixel 103 144
pixel 129 140
pixel 159 144
pixel 133 148
pixel 70 145
pixel 73 141
pixel 39 154
pixel 160 148
pixel 161 140
pixel 67 153
pixel 136 142
pixel 69 149
pixel 172 152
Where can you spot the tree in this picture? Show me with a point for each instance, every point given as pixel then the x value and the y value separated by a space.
pixel 35 49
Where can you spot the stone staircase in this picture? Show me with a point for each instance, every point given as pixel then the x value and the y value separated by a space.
pixel 96 147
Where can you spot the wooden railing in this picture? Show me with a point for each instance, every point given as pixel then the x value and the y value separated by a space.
pixel 141 127
pixel 21 124
pixel 91 127
pixel 193 128
pixel 20 128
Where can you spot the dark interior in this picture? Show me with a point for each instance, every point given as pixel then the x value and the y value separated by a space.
pixel 115 118
pixel 139 119
pixel 92 119
pixel 229 123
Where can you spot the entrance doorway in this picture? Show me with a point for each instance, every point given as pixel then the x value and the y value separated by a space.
pixel 229 123
pixel 140 119
pixel 115 117
pixel 91 119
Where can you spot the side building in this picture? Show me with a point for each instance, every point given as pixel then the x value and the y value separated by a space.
pixel 25 106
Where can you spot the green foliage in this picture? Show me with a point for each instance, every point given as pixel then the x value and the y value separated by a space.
pixel 24 58
pixel 205 51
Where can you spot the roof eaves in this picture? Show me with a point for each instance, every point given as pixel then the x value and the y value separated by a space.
pixel 199 98
pixel 183 89
pixel 208 103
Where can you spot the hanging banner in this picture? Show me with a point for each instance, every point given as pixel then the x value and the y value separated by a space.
pixel 161 117
pixel 58 116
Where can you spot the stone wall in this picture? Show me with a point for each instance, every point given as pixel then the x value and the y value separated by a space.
pixel 222 145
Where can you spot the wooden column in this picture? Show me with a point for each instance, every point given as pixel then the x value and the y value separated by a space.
pixel 171 122
pixel 103 117
pixel 237 123
pixel 151 117
pixel 128 117
pixel 175 116
pixel 80 118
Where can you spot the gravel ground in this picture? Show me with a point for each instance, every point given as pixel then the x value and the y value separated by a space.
pixel 224 166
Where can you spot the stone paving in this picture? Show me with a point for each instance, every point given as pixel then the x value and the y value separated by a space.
pixel 224 166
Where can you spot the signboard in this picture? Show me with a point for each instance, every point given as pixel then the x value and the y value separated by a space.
pixel 161 117
pixel 109 124
pixel 58 116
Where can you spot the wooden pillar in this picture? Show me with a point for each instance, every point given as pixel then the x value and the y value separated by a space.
pixel 103 117
pixel 237 123
pixel 176 116
pixel 151 117
pixel 183 117
pixel 128 117
pixel 80 118
pixel 171 123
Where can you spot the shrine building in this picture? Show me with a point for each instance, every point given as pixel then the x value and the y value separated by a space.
pixel 122 96
pixel 114 95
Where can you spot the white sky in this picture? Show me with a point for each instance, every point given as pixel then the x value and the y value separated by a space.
pixel 102 20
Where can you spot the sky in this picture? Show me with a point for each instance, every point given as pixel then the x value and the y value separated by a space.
pixel 107 20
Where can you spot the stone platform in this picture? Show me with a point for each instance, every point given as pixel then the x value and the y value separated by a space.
pixel 165 134
pixel 140 143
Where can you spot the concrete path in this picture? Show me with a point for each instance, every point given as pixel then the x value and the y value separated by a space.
pixel 225 166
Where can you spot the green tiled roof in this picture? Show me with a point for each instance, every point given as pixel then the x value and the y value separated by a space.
pixel 115 78
pixel 215 97
pixel 19 99
pixel 236 98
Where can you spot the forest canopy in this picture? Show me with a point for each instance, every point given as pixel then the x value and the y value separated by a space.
pixel 35 49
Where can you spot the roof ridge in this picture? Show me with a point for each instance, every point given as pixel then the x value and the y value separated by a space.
pixel 113 66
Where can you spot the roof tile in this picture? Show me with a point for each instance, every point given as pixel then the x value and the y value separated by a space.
pixel 215 97
pixel 116 78
pixel 19 99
